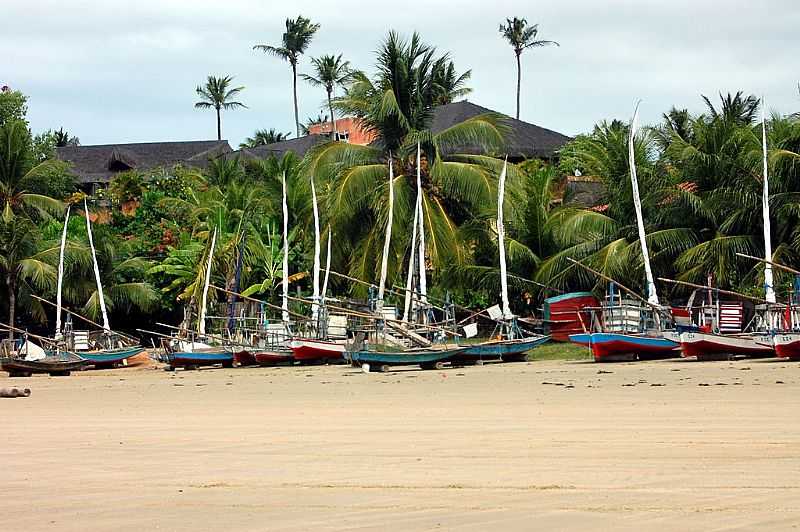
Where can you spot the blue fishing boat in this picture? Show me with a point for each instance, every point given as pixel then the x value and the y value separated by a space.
pixel 507 350
pixel 109 357
pixel 194 354
pixel 611 345
pixel 379 360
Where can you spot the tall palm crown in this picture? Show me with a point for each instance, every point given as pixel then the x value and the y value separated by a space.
pixel 218 94
pixel 295 41
pixel 329 71
pixel 397 106
pixel 521 37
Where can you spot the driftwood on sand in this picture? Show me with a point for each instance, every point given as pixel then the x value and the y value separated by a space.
pixel 15 392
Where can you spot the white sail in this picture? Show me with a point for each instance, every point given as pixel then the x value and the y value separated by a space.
pixel 423 280
pixel 201 320
pixel 411 261
pixel 387 240
pixel 285 282
pixel 652 295
pixel 327 267
pixel 315 279
pixel 769 287
pixel 501 234
pixel 100 295
pixel 60 281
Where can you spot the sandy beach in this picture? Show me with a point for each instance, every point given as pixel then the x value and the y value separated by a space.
pixel 660 445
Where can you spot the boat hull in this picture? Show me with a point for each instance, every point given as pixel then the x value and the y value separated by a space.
pixel 619 346
pixel 25 368
pixel 509 350
pixel 425 359
pixel 272 358
pixel 201 358
pixel 787 345
pixel 311 350
pixel 704 345
pixel 109 357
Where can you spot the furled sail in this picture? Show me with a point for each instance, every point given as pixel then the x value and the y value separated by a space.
pixel 652 295
pixel 387 239
pixel 100 296
pixel 60 281
pixel 201 320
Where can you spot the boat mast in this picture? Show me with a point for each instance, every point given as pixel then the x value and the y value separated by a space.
pixel 101 297
pixel 201 320
pixel 423 281
pixel 387 240
pixel 285 282
pixel 61 275
pixel 327 267
pixel 315 280
pixel 501 232
pixel 652 295
pixel 769 289
pixel 411 261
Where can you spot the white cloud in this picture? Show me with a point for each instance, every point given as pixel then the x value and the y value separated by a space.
pixel 116 71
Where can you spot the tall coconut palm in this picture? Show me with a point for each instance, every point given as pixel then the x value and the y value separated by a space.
pixel 521 37
pixel 218 94
pixel 329 71
pixel 397 106
pixel 294 42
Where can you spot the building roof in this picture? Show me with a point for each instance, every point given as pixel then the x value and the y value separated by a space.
pixel 299 146
pixel 525 140
pixel 97 164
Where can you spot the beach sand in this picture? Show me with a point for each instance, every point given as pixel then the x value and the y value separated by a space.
pixel 665 445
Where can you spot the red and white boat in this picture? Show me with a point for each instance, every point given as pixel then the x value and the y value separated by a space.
pixel 312 349
pixel 711 345
pixel 787 345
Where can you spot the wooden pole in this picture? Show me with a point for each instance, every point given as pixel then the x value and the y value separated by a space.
pixel 718 290
pixel 622 286
pixel 765 261
pixel 36 336
pixel 254 300
pixel 84 318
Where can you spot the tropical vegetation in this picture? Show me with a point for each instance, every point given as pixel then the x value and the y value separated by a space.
pixel 700 175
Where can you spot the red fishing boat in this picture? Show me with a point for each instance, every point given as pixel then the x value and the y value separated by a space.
pixel 272 358
pixel 311 349
pixel 787 345
pixel 562 314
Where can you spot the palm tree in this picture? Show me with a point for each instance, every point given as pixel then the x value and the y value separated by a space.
pixel 262 137
pixel 397 106
pixel 521 37
pixel 23 267
pixel 18 173
pixel 218 94
pixel 605 237
pixel 329 71
pixel 63 138
pixel 294 43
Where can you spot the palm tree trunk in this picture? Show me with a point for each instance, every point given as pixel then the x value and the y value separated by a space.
pixel 12 303
pixel 333 118
pixel 519 81
pixel 219 126
pixel 294 89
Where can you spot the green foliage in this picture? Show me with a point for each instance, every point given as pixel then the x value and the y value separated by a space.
pixel 13 106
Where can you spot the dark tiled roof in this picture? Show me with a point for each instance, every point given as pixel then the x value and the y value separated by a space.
pixel 299 146
pixel 97 164
pixel 525 140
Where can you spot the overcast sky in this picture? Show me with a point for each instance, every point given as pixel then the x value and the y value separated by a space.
pixel 112 71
